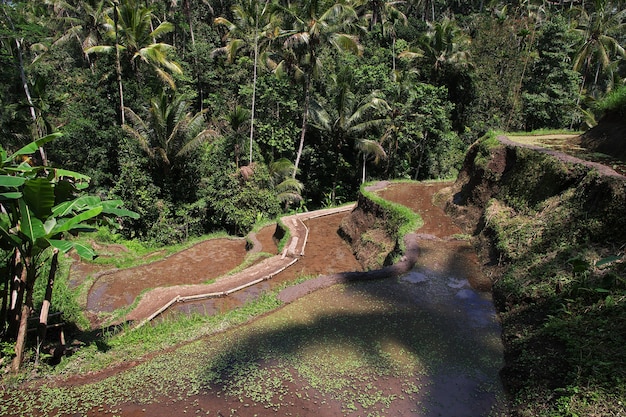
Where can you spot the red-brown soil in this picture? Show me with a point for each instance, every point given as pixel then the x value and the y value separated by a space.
pixel 119 289
pixel 439 254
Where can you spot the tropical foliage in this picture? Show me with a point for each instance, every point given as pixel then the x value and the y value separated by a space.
pixel 205 116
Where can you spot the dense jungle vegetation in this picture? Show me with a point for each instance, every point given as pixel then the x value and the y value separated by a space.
pixel 206 115
pixel 203 115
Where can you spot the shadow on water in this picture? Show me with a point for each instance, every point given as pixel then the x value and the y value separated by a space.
pixel 428 341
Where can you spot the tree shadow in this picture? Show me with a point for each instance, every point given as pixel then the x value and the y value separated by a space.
pixel 373 319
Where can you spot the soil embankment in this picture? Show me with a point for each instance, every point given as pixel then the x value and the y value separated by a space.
pixel 544 223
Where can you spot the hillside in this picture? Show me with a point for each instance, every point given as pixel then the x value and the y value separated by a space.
pixel 551 229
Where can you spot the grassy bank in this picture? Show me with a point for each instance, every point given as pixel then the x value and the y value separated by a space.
pixel 556 231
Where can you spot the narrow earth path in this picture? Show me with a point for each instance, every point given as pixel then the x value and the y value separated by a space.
pixel 523 141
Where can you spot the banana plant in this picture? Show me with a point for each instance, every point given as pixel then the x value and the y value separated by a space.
pixel 39 207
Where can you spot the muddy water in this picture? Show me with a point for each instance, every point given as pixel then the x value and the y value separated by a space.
pixel 325 253
pixel 423 344
pixel 119 289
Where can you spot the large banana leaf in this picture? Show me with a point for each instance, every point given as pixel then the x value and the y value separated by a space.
pixel 30 225
pixel 11 181
pixel 32 147
pixel 10 196
pixel 84 251
pixel 39 195
pixel 76 221
pixel 115 207
pixel 74 206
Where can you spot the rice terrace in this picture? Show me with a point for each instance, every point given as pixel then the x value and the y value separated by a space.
pixel 314 209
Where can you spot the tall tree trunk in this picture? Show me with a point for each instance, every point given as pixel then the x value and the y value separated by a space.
pixel 118 65
pixel 187 11
pixel 29 99
pixel 364 161
pixel 393 55
pixel 305 113
pixel 254 76
pixel 45 307
pixel 27 279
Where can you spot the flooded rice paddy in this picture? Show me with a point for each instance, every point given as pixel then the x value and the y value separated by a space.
pixel 426 343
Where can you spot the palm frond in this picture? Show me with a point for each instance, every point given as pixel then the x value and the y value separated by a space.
pixel 166 77
pixel 347 43
pixel 100 49
pixel 163 28
pixel 201 138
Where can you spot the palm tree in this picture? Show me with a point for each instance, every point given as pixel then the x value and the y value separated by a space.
pixel 236 121
pixel 599 47
pixel 349 117
pixel 171 130
pixel 18 40
pixel 367 148
pixel 387 13
pixel 131 31
pixel 85 22
pixel 403 127
pixel 445 45
pixel 288 189
pixel 311 28
pixel 251 25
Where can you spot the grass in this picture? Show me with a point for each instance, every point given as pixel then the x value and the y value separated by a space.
pixel 563 294
pixel 399 219
pixel 309 351
pixel 614 102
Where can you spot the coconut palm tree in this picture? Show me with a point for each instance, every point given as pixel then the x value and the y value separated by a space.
pixel 388 15
pixel 369 148
pixel 287 189
pixel 236 122
pixel 131 32
pixel 310 28
pixel 349 117
pixel 445 45
pixel 253 23
pixel 600 31
pixel 84 22
pixel 171 131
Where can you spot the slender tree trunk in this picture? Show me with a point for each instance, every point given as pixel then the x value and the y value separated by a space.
pixel 45 307
pixel 393 54
pixel 118 65
pixel 27 279
pixel 363 179
pixel 31 106
pixel 254 76
pixel 187 9
pixel 305 113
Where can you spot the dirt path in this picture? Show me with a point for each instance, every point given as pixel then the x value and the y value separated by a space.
pixel 529 143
